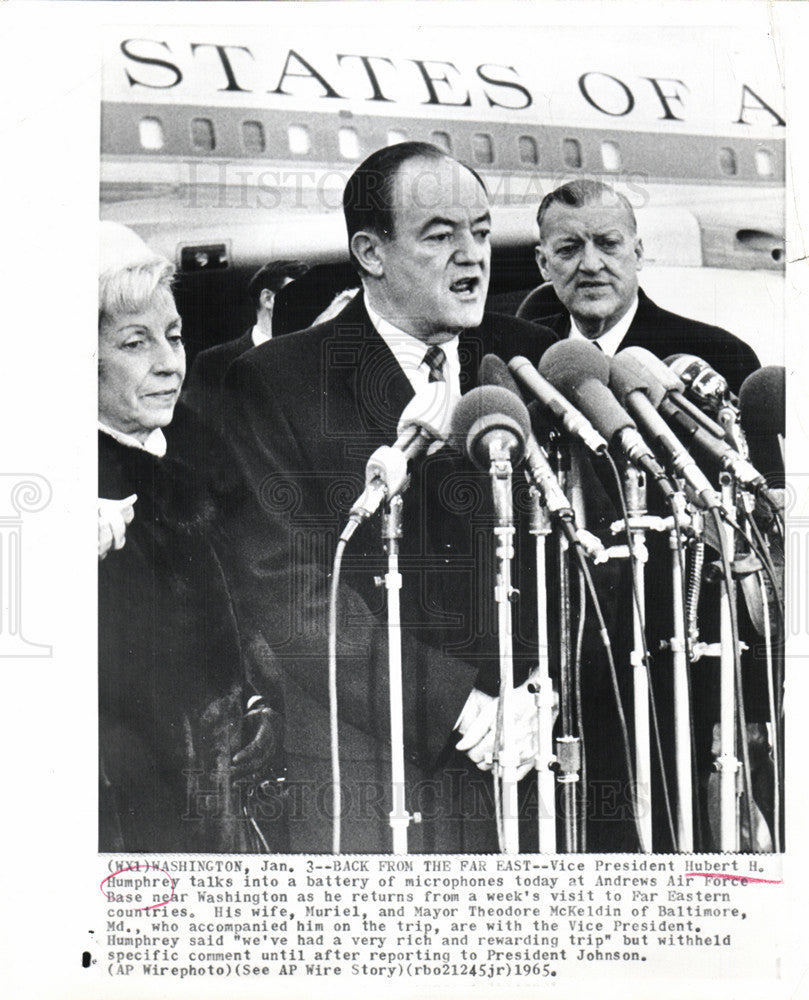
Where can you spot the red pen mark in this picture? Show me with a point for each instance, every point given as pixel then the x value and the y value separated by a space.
pixel 742 878
pixel 114 897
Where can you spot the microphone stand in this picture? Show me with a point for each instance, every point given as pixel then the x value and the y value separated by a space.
pixel 506 762
pixel 682 709
pixel 540 528
pixel 635 488
pixel 568 746
pixel 727 763
pixel 400 818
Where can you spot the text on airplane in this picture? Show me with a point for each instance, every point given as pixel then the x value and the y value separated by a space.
pixel 153 65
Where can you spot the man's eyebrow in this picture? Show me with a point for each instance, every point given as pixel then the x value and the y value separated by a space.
pixel 438 220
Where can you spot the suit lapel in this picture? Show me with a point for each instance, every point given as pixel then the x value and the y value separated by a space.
pixel 367 371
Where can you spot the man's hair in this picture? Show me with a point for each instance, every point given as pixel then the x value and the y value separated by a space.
pixel 127 290
pixel 368 201
pixel 273 276
pixel 576 194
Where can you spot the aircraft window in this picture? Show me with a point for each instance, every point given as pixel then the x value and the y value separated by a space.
pixel 764 163
pixel 528 150
pixel 727 161
pixel 202 136
pixel 395 136
pixel 298 137
pixel 482 148
pixel 442 140
pixel 611 155
pixel 151 133
pixel 349 143
pixel 571 152
pixel 253 137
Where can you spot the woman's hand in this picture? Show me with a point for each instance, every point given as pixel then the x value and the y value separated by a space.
pixel 113 517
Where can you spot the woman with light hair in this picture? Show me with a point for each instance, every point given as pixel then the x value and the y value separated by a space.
pixel 188 748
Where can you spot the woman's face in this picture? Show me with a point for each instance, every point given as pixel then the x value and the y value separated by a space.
pixel 141 367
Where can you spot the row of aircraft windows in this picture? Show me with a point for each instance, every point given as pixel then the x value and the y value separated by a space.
pixel 203 139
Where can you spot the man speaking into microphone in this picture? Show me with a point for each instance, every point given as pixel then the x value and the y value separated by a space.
pixel 303 414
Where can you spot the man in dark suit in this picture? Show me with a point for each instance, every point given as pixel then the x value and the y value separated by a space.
pixel 303 414
pixel 590 250
pixel 202 392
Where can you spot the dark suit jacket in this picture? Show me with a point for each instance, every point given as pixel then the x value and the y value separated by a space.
pixel 303 414
pixel 202 391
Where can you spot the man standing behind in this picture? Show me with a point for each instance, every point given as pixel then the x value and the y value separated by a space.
pixel 303 415
pixel 589 249
pixel 203 389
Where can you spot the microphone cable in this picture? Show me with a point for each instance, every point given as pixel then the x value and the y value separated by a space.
pixel 333 724
pixel 727 572
pixel 646 658
pixel 605 639
pixel 577 695
pixel 775 736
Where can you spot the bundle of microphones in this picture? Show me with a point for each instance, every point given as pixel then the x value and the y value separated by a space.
pixel 601 402
pixel 681 428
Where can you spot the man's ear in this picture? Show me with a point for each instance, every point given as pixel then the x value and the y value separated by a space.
pixel 639 252
pixel 366 248
pixel 266 298
pixel 542 261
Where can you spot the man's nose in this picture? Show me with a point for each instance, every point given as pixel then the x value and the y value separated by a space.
pixel 591 259
pixel 470 249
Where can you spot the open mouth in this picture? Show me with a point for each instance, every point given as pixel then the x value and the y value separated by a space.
pixel 465 287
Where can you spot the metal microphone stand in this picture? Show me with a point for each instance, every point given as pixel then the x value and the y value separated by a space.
pixel 727 762
pixel 506 762
pixel 682 708
pixel 540 528
pixel 400 818
pixel 635 487
pixel 568 745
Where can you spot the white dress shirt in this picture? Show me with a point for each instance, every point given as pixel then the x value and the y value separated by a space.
pixel 409 351
pixel 258 335
pixel 610 341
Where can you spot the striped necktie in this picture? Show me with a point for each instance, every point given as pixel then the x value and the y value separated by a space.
pixel 434 359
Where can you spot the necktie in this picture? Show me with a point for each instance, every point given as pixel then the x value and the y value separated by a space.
pixel 434 359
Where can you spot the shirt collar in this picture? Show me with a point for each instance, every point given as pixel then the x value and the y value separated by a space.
pixel 155 443
pixel 258 336
pixel 610 341
pixel 409 351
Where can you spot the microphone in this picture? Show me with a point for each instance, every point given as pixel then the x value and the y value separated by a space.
pixel 721 452
pixel 762 401
pixel 494 371
pixel 642 396
pixel 425 420
pixel 570 418
pixel 490 423
pixel 580 372
pixel 703 384
pixel 672 385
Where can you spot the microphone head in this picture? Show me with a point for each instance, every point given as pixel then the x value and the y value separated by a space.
pixel 762 399
pixel 570 362
pixel 494 371
pixel 581 372
pixel 703 383
pixel 430 410
pixel 654 366
pixel 486 410
pixel 627 376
